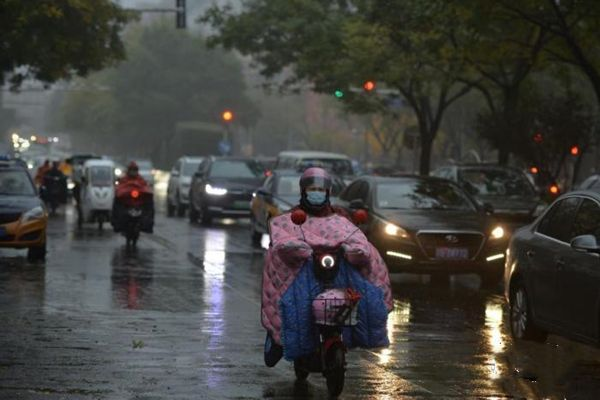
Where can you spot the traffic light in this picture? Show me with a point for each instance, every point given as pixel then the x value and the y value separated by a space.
pixel 338 93
pixel 180 17
pixel 227 116
pixel 534 170
pixel 538 138
pixel 575 150
pixel 554 189
pixel 369 86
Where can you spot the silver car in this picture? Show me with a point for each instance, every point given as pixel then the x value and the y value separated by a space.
pixel 179 184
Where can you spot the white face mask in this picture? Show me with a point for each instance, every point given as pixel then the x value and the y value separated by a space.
pixel 316 198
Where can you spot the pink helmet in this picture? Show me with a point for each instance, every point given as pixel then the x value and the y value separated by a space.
pixel 336 307
pixel 315 176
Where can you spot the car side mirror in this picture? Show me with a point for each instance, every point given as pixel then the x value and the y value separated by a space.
pixel 585 243
pixel 488 208
pixel 358 204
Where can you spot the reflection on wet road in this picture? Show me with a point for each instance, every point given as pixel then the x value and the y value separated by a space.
pixel 179 318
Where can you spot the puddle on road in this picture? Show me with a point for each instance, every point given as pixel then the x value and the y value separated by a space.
pixel 131 276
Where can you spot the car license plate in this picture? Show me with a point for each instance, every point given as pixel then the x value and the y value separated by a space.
pixel 452 253
pixel 134 212
pixel 241 205
pixel 2 231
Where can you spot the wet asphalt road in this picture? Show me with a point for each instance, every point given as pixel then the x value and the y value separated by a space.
pixel 179 319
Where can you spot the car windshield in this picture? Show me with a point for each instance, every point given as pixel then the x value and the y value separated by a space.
pixel 336 166
pixel 144 164
pixel 16 183
pixel 101 176
pixel 417 194
pixel 290 186
pixel 235 169
pixel 190 167
pixel 495 182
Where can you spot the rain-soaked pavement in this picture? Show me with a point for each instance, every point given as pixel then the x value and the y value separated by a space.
pixel 179 319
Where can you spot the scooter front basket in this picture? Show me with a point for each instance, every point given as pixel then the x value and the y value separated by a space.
pixel 336 307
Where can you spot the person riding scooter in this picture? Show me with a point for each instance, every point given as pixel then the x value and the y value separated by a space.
pixel 41 171
pixel 132 176
pixel 54 187
pixel 293 280
pixel 133 207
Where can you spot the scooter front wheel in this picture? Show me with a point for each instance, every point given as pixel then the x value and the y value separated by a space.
pixel 336 370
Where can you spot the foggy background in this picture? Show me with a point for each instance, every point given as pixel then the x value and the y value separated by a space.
pixel 166 100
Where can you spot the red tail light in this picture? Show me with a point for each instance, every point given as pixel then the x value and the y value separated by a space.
pixel 135 194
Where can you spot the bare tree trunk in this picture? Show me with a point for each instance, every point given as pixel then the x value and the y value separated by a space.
pixel 426 147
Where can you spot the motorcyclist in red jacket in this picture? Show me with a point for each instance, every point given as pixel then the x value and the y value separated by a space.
pixel 132 176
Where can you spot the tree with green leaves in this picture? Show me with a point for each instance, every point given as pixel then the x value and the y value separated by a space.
pixel 502 53
pixel 169 77
pixel 50 40
pixel 404 45
pixel 554 124
pixel 574 26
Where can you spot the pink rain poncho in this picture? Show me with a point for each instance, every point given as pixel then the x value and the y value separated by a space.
pixel 292 245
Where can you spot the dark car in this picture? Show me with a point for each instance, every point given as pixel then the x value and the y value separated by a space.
pixel 507 190
pixel 552 277
pixel 279 193
pixel 428 225
pixel 223 188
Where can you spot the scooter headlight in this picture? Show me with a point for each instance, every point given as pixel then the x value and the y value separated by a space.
pixel 327 261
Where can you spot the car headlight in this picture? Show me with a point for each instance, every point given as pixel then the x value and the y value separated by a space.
pixel 33 214
pixel 497 233
pixel 118 171
pixel 215 191
pixel 395 230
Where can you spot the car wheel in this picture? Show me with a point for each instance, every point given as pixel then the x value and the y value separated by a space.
pixel 170 207
pixel 180 208
pixel 205 217
pixel 521 321
pixel 193 214
pixel 255 236
pixel 36 253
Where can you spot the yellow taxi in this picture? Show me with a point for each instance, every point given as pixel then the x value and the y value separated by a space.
pixel 279 193
pixel 23 217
